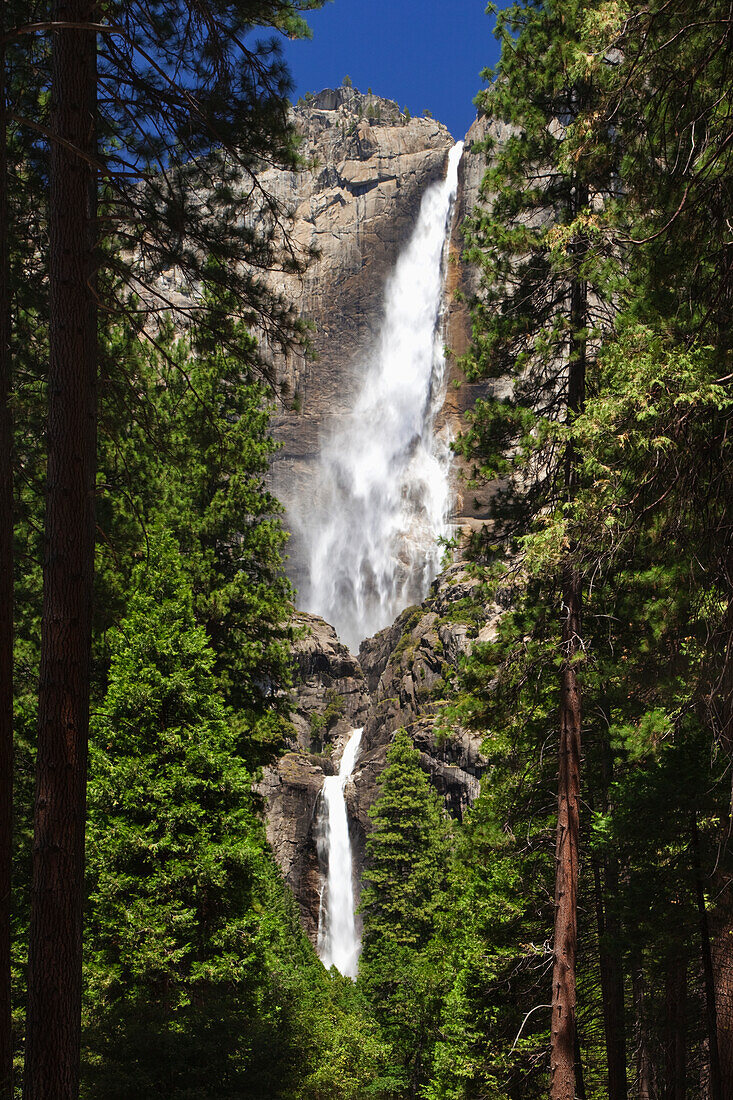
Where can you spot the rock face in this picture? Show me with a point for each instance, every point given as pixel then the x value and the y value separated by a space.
pixel 357 203
pixel 471 505
pixel 408 667
pixel 398 680
pixel 331 698
pixel 331 691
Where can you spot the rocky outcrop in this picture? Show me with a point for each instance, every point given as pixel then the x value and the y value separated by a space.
pixel 331 692
pixel 471 504
pixel 399 680
pixel 330 700
pixel 291 791
pixel 408 667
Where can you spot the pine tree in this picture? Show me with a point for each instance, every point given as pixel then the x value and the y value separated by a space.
pixel 6 607
pixel 185 908
pixel 405 882
pixel 54 965
pixel 196 461
pixel 542 308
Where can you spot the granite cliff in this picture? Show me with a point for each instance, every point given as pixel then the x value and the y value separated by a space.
pixel 357 203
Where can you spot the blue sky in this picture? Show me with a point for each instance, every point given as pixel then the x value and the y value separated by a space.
pixel 422 53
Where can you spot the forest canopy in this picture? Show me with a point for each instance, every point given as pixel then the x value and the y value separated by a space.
pixel 571 935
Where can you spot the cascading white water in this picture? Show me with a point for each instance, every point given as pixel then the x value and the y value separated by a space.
pixel 384 474
pixel 383 483
pixel 338 941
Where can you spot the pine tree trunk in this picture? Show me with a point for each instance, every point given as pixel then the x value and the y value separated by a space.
pixel 612 981
pixel 644 1065
pixel 721 918
pixel 54 970
pixel 567 845
pixel 611 966
pixel 722 960
pixel 6 615
pixel 675 1086
pixel 715 1090
pixel 563 1043
pixel 580 1093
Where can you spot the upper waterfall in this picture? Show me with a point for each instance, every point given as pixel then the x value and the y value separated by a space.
pixel 382 495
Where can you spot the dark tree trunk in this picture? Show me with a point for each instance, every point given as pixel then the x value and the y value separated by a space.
pixel 644 1065
pixel 6 615
pixel 580 1093
pixel 721 918
pixel 711 1020
pixel 675 1061
pixel 605 882
pixel 563 1044
pixel 722 959
pixel 563 1041
pixel 54 970
pixel 612 980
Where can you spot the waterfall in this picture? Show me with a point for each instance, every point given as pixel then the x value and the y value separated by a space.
pixel 382 494
pixel 338 942
pixel 379 510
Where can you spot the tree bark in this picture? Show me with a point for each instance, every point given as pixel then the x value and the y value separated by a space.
pixel 565 938
pixel 644 1065
pixel 722 959
pixel 715 1087
pixel 563 1044
pixel 580 1093
pixel 675 1084
pixel 606 890
pixel 612 982
pixel 6 612
pixel 54 969
pixel 721 918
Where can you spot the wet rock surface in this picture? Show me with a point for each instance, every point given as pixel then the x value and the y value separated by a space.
pixel 331 692
pixel 330 699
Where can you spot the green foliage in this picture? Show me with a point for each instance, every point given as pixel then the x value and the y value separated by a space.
pixel 185 909
pixel 406 854
pixel 613 178
pixel 322 723
pixel 195 460
pixel 597 188
pixel 404 892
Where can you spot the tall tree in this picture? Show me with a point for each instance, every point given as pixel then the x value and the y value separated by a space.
pixel 180 991
pixel 405 882
pixel 54 967
pixel 668 97
pixel 543 303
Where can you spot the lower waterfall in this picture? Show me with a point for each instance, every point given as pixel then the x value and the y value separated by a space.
pixel 338 941
pixel 379 510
